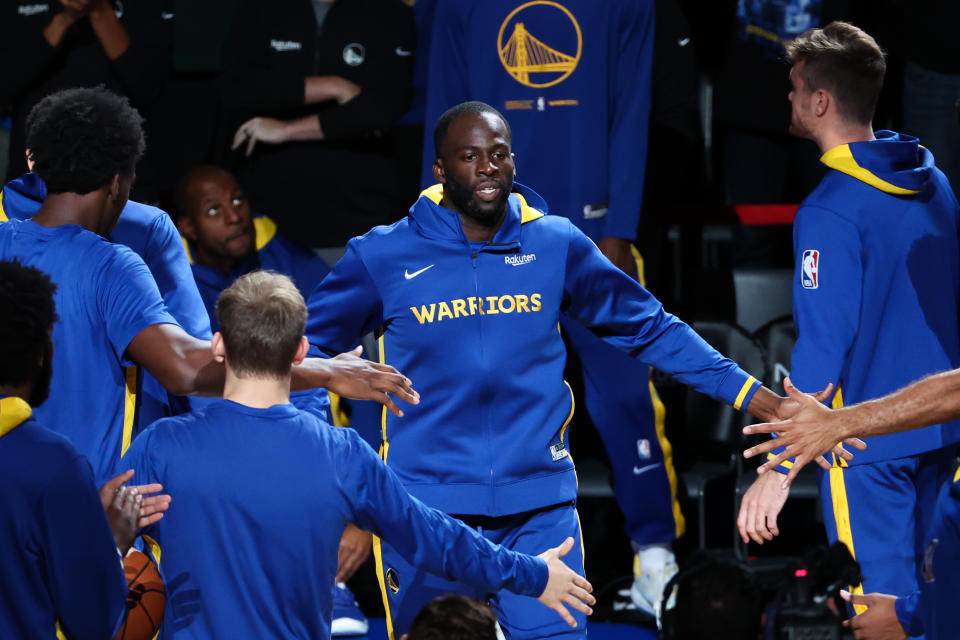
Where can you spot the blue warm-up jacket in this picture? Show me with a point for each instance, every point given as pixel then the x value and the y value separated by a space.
pixel 877 281
pixel 474 326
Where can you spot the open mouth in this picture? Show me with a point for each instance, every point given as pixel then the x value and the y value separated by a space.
pixel 488 191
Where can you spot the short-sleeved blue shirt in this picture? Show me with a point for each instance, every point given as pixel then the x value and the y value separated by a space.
pixel 105 296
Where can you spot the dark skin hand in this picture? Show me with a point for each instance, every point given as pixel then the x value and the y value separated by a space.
pixel 122 516
pixel 617 250
pixel 879 621
pixel 355 547
pixel 151 506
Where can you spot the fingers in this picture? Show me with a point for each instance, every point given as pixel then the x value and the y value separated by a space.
pixel 358 351
pixel 822 396
pixel 763 447
pixel 388 402
pixel 867 599
pixel 775 461
pixel 562 610
pixel 856 443
pixel 239 136
pixel 583 583
pixel 820 460
pixel 147 489
pixel 790 476
pixel 564 547
pixel 838 450
pixel 578 604
pixel 117 481
pixel 582 594
pixel 251 143
pixel 763 427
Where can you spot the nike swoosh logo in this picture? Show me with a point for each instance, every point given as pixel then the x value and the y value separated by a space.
pixel 411 276
pixel 640 470
pixel 400 51
pixel 683 42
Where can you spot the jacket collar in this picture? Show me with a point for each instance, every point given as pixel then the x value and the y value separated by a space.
pixel 436 222
pixel 14 411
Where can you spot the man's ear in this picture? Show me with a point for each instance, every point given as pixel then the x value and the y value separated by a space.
pixel 439 174
pixel 217 347
pixel 114 189
pixel 186 227
pixel 822 102
pixel 302 350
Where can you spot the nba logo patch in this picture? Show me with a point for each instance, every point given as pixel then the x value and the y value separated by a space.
pixel 810 278
pixel 643 449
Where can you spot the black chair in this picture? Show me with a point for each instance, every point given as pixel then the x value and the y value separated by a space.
pixel 762 295
pixel 714 427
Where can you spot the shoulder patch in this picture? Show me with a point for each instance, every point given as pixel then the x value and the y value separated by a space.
pixel 810 264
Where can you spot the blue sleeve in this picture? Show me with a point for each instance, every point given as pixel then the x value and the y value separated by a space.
pixel 827 287
pixel 632 95
pixel 128 300
pixel 170 267
pixel 906 610
pixel 619 310
pixel 427 538
pixel 345 306
pixel 82 567
pixel 447 75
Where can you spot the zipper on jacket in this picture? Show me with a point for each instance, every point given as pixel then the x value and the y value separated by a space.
pixel 485 400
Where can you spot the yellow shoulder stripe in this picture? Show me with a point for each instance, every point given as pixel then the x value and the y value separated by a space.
pixel 434 193
pixel 186 248
pixel 13 412
pixel 841 159
pixel 265 230
pixel 3 214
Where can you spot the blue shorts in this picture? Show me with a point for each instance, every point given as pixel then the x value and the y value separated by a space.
pixel 940 580
pixel 883 511
pixel 407 590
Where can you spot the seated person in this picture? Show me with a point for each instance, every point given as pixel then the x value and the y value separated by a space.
pixel 61 559
pixel 263 491
pixel 224 239
pixel 454 617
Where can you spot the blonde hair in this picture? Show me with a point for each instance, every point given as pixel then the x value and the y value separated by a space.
pixel 262 317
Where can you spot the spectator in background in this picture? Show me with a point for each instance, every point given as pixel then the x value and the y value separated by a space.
pixel 575 80
pixel 315 88
pixel 45 47
pixel 454 617
pixel 931 81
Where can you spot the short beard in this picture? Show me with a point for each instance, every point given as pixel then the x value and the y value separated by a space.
pixel 463 200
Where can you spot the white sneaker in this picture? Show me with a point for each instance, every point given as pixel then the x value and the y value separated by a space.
pixel 347 620
pixel 653 566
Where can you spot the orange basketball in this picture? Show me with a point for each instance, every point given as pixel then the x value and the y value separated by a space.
pixel 145 600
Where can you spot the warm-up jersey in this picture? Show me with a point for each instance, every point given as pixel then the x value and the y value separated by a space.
pixel 475 328
pixel 58 560
pixel 151 234
pixel 573 78
pixel 878 281
pixel 253 554
pixel 105 296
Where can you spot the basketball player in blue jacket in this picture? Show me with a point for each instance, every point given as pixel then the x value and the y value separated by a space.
pixel 875 303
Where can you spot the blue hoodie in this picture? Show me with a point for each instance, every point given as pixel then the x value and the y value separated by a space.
pixel 474 325
pixel 878 279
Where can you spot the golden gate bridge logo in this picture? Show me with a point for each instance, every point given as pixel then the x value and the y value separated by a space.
pixel 527 59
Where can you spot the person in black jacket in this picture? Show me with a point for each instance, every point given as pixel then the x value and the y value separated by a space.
pixel 45 47
pixel 315 87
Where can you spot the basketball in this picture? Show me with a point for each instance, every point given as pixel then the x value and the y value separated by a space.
pixel 146 598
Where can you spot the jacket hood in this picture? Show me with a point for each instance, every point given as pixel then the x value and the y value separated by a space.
pixel 435 221
pixel 895 163
pixel 22 197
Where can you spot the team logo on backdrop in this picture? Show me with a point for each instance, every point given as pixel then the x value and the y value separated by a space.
pixel 32 9
pixel 285 45
pixel 528 59
pixel 354 54
pixel 810 266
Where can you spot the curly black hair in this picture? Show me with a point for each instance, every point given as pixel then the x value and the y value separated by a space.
pixel 27 314
pixel 80 138
pixel 473 107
